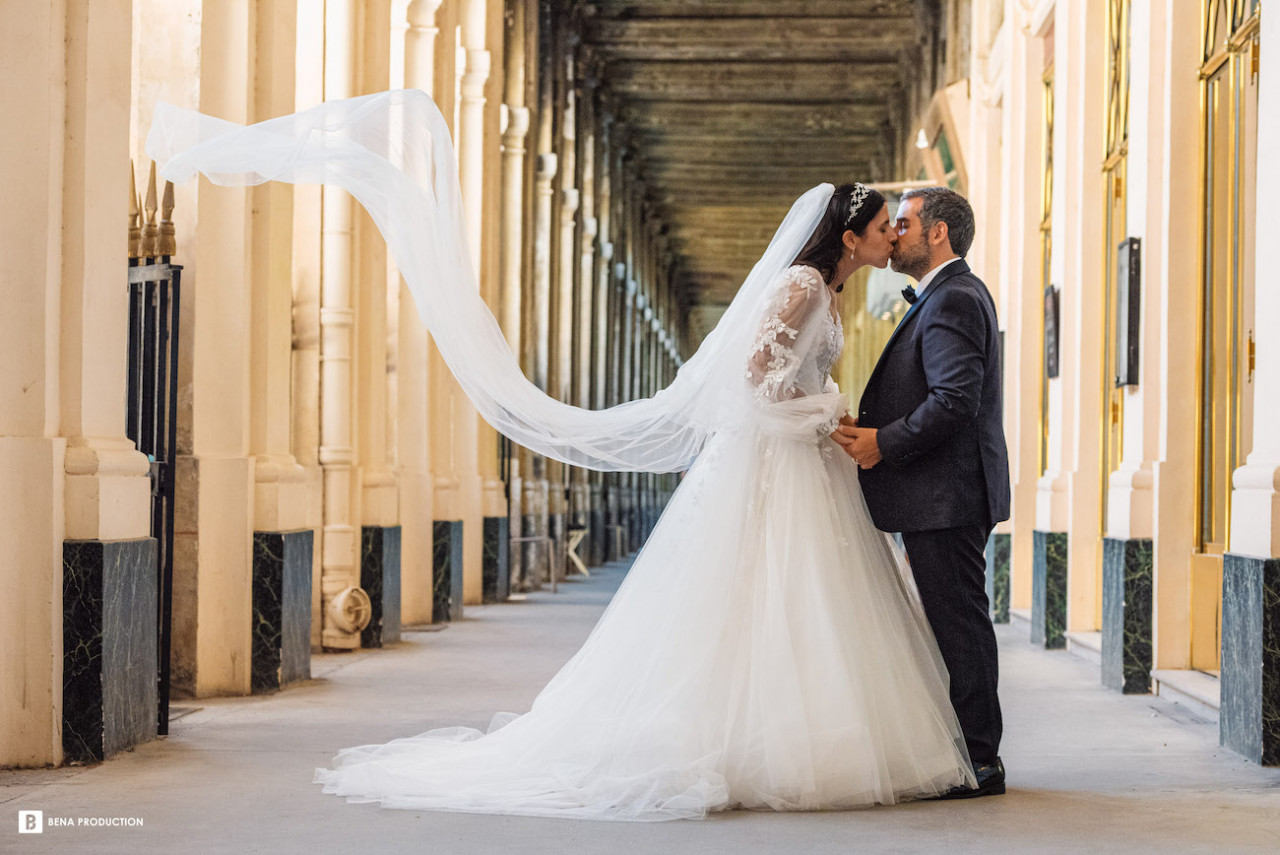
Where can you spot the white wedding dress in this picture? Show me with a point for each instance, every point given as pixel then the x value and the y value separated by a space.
pixel 766 649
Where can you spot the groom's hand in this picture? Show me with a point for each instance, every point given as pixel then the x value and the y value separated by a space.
pixel 861 444
pixel 857 442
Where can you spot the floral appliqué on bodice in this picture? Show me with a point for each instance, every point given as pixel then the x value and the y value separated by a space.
pixel 799 340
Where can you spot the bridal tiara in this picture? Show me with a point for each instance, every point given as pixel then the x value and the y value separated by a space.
pixel 856 198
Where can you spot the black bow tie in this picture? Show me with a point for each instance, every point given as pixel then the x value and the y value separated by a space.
pixel 910 294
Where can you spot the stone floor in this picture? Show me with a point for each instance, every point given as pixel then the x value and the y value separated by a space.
pixel 1090 771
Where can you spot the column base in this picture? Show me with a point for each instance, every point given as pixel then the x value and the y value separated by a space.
pixel 110 699
pixel 557 526
pixel 998 576
pixel 281 609
pixel 533 555
pixel 1126 615
pixel 497 551
pixel 597 534
pixel 1049 589
pixel 446 570
pixel 1249 715
pixel 380 579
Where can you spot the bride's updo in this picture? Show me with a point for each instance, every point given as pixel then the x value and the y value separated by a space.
pixel 825 246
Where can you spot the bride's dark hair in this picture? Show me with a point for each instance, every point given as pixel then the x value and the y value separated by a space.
pixel 826 244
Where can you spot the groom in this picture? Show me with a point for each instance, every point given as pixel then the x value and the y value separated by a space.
pixel 930 444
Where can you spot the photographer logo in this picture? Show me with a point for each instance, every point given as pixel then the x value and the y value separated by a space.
pixel 30 821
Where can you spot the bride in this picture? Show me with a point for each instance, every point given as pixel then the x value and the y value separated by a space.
pixel 766 649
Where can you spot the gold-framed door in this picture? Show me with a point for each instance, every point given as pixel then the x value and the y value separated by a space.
pixel 1228 157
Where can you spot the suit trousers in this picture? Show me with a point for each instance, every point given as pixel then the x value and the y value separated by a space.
pixel 950 567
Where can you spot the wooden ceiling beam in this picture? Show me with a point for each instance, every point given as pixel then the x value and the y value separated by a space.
pixel 867 83
pixel 766 120
pixel 750 173
pixel 743 153
pixel 785 39
pixel 641 9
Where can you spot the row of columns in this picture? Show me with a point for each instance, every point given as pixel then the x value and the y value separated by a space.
pixel 596 324
pixel 313 409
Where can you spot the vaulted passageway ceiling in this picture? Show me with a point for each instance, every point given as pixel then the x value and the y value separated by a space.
pixel 732 108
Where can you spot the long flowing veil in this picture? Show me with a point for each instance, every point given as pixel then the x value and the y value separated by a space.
pixel 392 152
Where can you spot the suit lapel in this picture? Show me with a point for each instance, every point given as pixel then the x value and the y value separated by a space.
pixel 955 268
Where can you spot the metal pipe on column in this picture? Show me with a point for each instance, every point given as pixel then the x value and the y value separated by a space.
pixel 516 116
pixel 341 595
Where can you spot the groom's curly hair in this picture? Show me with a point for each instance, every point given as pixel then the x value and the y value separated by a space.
pixel 823 250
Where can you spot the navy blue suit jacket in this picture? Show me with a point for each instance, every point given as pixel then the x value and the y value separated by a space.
pixel 935 398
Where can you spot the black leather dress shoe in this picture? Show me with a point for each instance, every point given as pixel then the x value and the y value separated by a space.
pixel 990 783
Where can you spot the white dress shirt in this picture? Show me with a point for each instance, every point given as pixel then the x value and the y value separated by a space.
pixel 932 275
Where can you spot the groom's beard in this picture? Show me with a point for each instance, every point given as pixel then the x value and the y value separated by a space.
pixel 911 261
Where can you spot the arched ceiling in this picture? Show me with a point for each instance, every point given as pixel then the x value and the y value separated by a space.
pixel 732 108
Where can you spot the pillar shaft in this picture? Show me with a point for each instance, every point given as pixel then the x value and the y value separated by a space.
pixel 1255 510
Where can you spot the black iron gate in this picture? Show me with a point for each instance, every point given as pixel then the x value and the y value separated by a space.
pixel 151 403
pixel 154 290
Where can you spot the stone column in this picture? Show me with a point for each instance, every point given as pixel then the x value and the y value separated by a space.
pixel 512 260
pixel 565 268
pixel 379 513
pixel 431 70
pixel 1067 548
pixel 414 391
pixel 283 540
pixel 1177 268
pixel 1022 117
pixel 63 281
pixel 581 498
pixel 1250 711
pixel 601 286
pixel 1127 604
pixel 466 436
pixel 536 561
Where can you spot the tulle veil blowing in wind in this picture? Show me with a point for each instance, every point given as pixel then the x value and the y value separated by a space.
pixel 766 649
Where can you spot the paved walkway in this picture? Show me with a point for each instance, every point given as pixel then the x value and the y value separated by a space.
pixel 1090 770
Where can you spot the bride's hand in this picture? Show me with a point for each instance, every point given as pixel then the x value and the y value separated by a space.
pixel 844 432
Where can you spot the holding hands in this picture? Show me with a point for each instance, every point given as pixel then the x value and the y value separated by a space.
pixel 857 442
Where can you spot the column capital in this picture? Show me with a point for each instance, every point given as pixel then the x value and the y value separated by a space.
pixel 475 74
pixel 548 163
pixel 421 14
pixel 1255 508
pixel 516 124
pixel 569 201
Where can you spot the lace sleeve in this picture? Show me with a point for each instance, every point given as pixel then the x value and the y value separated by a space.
pixel 777 354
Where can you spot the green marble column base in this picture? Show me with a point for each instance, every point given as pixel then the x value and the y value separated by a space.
pixel 110 700
pixel 380 578
pixel 281 609
pixel 1049 589
pixel 446 570
pixel 1126 615
pixel 1249 717
pixel 497 553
